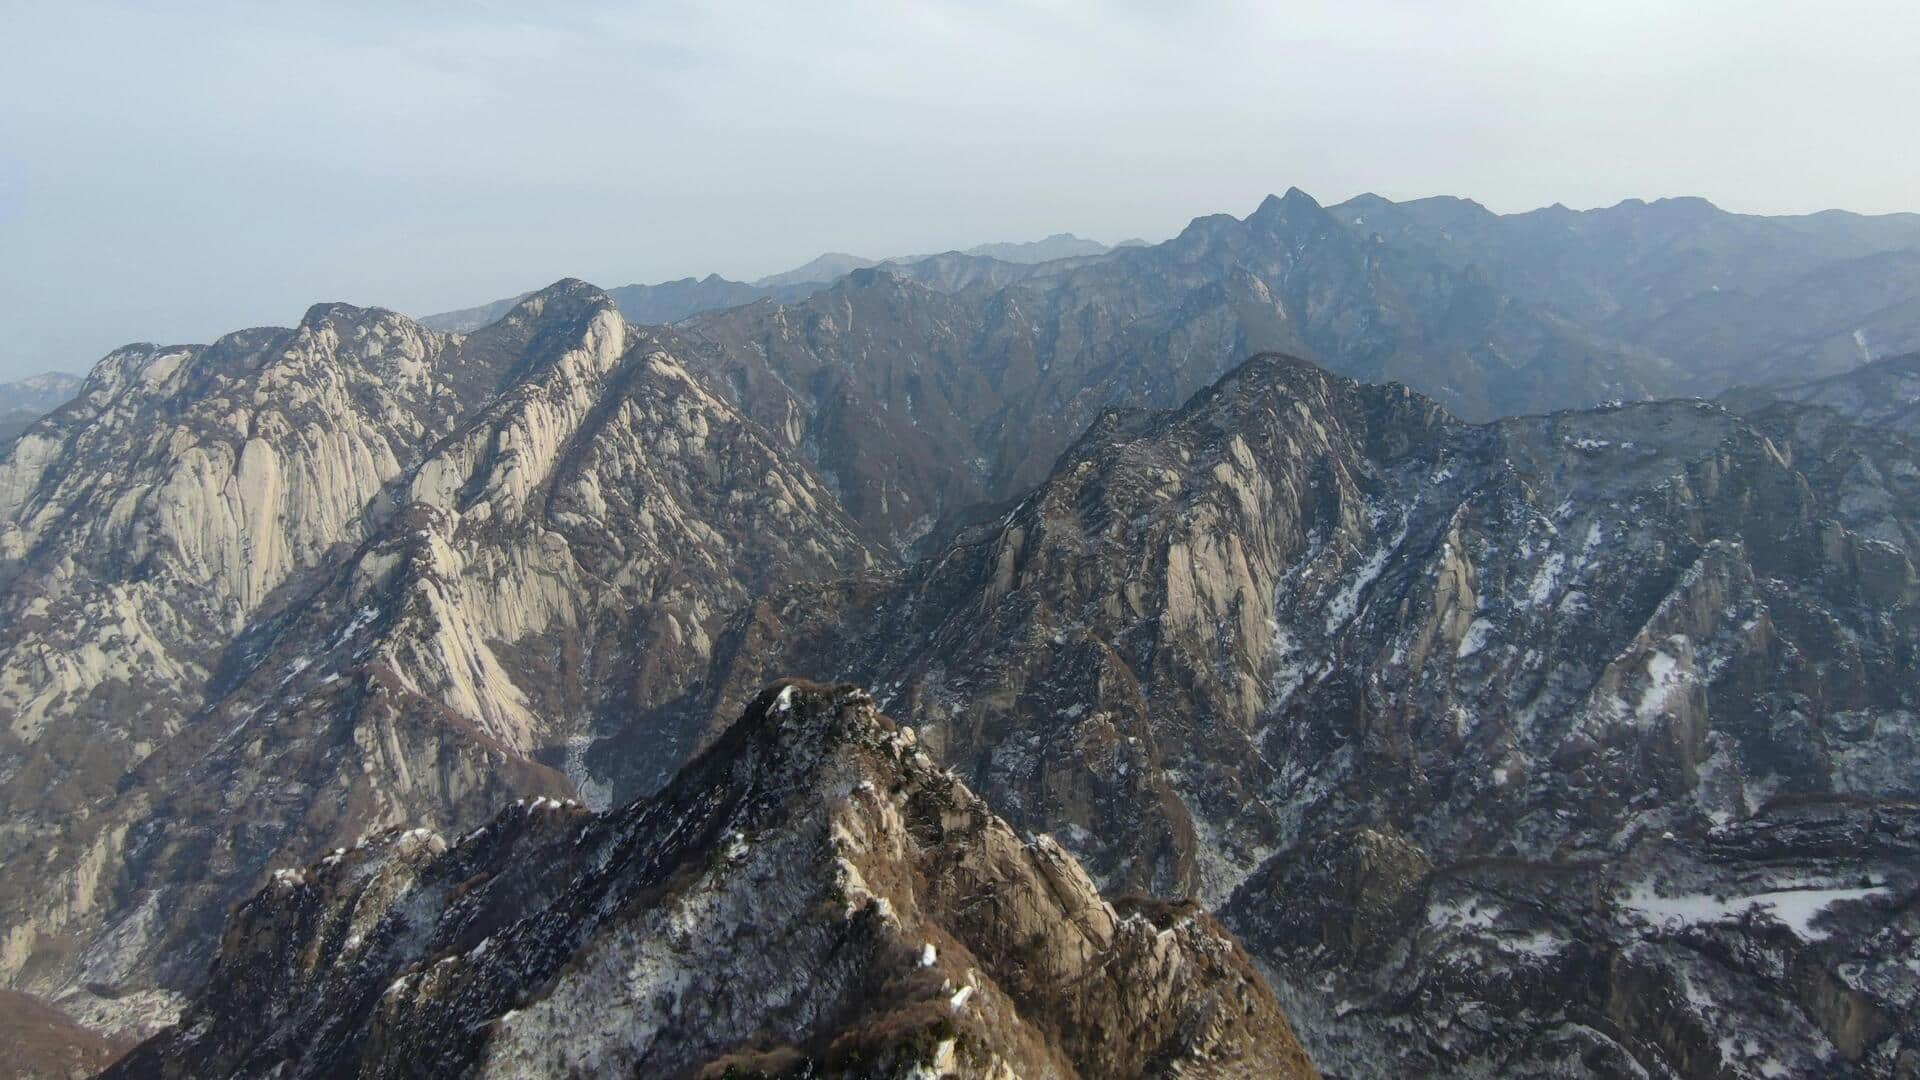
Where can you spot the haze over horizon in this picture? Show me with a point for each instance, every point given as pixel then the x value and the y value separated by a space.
pixel 172 172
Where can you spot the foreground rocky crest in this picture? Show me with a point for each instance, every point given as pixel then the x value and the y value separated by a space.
pixel 810 896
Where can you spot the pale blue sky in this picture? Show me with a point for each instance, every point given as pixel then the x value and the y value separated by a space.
pixel 170 171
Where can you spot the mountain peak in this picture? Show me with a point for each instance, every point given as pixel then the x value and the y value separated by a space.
pixel 1294 198
pixel 1293 207
pixel 1690 205
pixel 566 295
pixel 335 313
pixel 803 899
pixel 570 286
pixel 820 268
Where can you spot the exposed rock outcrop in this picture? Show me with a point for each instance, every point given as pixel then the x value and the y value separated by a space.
pixel 811 896
pixel 407 588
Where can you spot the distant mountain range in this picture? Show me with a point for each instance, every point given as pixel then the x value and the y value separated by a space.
pixel 671 301
pixel 25 400
pixel 1635 300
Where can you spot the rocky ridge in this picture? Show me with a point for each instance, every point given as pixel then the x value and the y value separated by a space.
pixel 810 896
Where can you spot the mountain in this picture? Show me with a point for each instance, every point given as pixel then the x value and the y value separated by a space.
pixel 302 583
pixel 467 320
pixel 38 394
pixel 916 401
pixel 1883 393
pixel 672 301
pixel 1581 734
pixel 1492 315
pixel 834 265
pixel 812 895
pixel 1580 737
pixel 1728 296
pixel 817 271
pixel 23 401
pixel 921 388
pixel 1058 246
pixel 667 302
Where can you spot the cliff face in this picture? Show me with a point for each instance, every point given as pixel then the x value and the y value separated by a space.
pixel 304 583
pixel 810 896
pixel 1219 640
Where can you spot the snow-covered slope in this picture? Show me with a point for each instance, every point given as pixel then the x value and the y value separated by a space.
pixel 811 896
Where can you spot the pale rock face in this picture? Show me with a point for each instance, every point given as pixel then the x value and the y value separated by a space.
pixel 440 560
pixel 203 519
pixel 156 516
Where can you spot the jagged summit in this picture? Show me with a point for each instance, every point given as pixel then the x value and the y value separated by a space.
pixel 571 292
pixel 1293 207
pixel 810 896
pixel 336 311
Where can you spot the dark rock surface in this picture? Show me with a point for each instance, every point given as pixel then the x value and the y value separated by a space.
pixel 811 896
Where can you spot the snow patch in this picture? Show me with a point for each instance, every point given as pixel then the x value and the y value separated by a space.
pixel 1665 679
pixel 1346 603
pixel 1793 908
pixel 1475 639
pixel 1547 580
